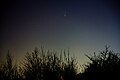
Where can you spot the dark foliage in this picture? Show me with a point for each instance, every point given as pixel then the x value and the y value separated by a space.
pixel 46 65
pixel 51 65
pixel 40 65
pixel 104 66
pixel 8 71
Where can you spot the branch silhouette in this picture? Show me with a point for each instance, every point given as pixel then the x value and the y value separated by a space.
pixel 44 64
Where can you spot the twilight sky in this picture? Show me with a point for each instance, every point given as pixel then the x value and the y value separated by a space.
pixel 83 26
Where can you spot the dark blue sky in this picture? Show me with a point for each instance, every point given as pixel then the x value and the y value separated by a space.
pixel 84 26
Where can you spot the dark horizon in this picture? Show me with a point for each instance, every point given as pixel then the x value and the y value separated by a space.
pixel 48 65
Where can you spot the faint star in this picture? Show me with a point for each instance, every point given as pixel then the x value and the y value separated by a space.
pixel 65 15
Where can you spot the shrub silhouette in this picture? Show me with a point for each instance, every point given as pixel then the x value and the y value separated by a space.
pixel 47 65
pixel 8 71
pixel 105 65
pixel 51 65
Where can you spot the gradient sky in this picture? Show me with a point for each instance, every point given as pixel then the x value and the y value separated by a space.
pixel 83 26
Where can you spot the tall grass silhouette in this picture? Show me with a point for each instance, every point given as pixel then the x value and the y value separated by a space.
pixel 40 65
pixel 44 64
pixel 9 71
pixel 47 65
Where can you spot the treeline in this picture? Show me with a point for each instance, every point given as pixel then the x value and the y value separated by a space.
pixel 51 65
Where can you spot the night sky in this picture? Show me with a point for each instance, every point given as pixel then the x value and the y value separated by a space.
pixel 83 26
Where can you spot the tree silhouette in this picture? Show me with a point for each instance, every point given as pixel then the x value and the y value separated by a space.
pixel 105 65
pixel 8 71
pixel 50 65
